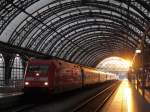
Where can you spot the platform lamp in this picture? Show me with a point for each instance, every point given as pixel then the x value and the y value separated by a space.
pixel 138 52
pixel 141 53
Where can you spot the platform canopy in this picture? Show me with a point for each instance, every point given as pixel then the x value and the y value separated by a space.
pixel 81 31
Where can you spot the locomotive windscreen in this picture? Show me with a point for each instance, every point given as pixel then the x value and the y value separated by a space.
pixel 38 68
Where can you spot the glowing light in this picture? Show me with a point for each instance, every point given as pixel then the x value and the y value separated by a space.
pixel 127 92
pixel 123 101
pixel 45 83
pixel 129 63
pixel 26 83
pixel 37 74
pixel 138 51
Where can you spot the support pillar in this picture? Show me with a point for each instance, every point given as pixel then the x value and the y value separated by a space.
pixel 7 75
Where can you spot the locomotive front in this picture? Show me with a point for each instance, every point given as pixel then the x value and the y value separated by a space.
pixel 37 75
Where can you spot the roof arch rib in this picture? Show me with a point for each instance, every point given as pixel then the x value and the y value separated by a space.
pixel 81 31
pixel 38 29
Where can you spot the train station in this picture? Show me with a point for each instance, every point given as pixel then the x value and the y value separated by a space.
pixel 74 56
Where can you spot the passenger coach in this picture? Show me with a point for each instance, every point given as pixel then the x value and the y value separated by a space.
pixel 57 76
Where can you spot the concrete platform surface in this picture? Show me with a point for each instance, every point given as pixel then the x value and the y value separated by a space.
pixel 4 95
pixel 126 99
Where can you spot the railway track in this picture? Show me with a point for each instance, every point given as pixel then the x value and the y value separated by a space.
pixel 31 104
pixel 95 103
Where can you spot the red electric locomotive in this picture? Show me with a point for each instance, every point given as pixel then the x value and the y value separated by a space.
pixel 57 76
pixel 53 75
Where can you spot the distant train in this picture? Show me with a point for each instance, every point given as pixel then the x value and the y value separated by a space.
pixel 57 76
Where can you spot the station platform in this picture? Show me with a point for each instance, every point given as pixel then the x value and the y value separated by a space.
pixel 10 92
pixel 126 99
pixel 5 95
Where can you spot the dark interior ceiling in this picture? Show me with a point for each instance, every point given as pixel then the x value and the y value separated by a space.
pixel 81 31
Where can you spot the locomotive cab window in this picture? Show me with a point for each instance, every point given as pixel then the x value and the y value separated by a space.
pixel 38 68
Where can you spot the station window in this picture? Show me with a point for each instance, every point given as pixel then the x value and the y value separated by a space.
pixel 17 72
pixel 2 69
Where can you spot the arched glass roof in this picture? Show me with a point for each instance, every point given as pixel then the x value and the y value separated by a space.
pixel 114 64
pixel 81 31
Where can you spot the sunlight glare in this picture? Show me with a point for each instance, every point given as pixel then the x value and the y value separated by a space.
pixel 128 96
pixel 128 63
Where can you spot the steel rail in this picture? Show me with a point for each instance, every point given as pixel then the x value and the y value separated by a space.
pixel 88 101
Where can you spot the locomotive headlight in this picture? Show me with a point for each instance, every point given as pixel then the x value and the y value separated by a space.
pixel 37 74
pixel 45 83
pixel 26 83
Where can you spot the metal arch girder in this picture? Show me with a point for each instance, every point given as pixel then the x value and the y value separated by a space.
pixel 90 43
pixel 99 53
pixel 138 10
pixel 106 37
pixel 86 37
pixel 72 49
pixel 82 55
pixel 93 61
pixel 107 4
pixel 43 15
pixel 75 53
pixel 93 34
pixel 43 23
pixel 121 54
pixel 99 59
pixel 145 5
pixel 34 26
pixel 39 42
pixel 3 3
pixel 24 3
pixel 109 25
pixel 66 51
pixel 56 41
pixel 95 54
pixel 114 11
pixel 142 3
pixel 93 3
pixel 89 58
pixel 107 33
pixel 12 13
